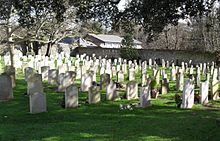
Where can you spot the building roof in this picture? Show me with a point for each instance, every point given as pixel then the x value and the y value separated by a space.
pixel 110 38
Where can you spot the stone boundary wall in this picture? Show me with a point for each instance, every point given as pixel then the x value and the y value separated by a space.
pixel 145 54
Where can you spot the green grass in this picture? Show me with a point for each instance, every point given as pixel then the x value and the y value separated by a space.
pixel 104 121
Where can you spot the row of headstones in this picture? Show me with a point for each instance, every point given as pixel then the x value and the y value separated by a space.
pixel 81 87
pixel 60 57
pixel 133 67
pixel 38 99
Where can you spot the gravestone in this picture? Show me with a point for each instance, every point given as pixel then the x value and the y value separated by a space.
pixel 109 71
pixel 53 77
pixel 86 82
pixel 188 94
pixel 111 93
pixel 114 71
pixel 124 67
pixel 6 91
pixel 94 95
pixel 164 86
pixel 67 80
pixel 214 89
pixel 143 80
pixel 35 84
pixel 131 74
pixel 38 103
pixel 204 90
pixel 93 74
pixel 198 78
pixel 118 68
pixel 173 74
pixel 132 90
pixel 71 96
pixel 28 72
pixel 44 72
pixel 180 81
pixel 9 70
pixel 79 72
pixel 191 70
pixel 62 68
pixel 120 77
pixel 157 77
pixel 102 71
pixel 104 80
pixel 145 97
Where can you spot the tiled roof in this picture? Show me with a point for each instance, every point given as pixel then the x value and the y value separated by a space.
pixel 110 38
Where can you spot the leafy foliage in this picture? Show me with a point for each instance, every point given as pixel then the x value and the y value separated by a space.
pixel 152 15
pixel 29 12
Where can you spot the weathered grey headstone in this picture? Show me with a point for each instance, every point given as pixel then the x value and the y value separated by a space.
pixel 53 77
pixel 93 75
pixel 191 70
pixel 145 97
pixel 180 81
pixel 86 81
pixel 143 80
pixel 35 84
pixel 164 86
pixel 188 94
pixel 157 76
pixel 79 72
pixel 71 96
pixel 28 72
pixel 111 93
pixel 62 68
pixel 38 103
pixel 204 90
pixel 120 76
pixel 5 87
pixel 44 72
pixel 102 71
pixel 9 70
pixel 132 90
pixel 214 89
pixel 68 79
pixel 131 74
pixel 198 79
pixel 94 95
pixel 104 80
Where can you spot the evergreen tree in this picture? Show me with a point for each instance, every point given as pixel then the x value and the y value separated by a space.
pixel 127 49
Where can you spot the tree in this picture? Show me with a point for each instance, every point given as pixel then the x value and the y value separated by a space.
pixel 18 14
pixel 152 15
pixel 127 49
pixel 91 27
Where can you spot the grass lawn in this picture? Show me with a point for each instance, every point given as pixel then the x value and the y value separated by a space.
pixel 104 121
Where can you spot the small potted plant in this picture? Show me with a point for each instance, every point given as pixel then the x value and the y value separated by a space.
pixel 154 88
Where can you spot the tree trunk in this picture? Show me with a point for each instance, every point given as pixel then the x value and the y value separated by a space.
pixel 24 48
pixel 49 46
pixel 11 52
pixel 167 40
pixel 36 47
pixel 176 37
